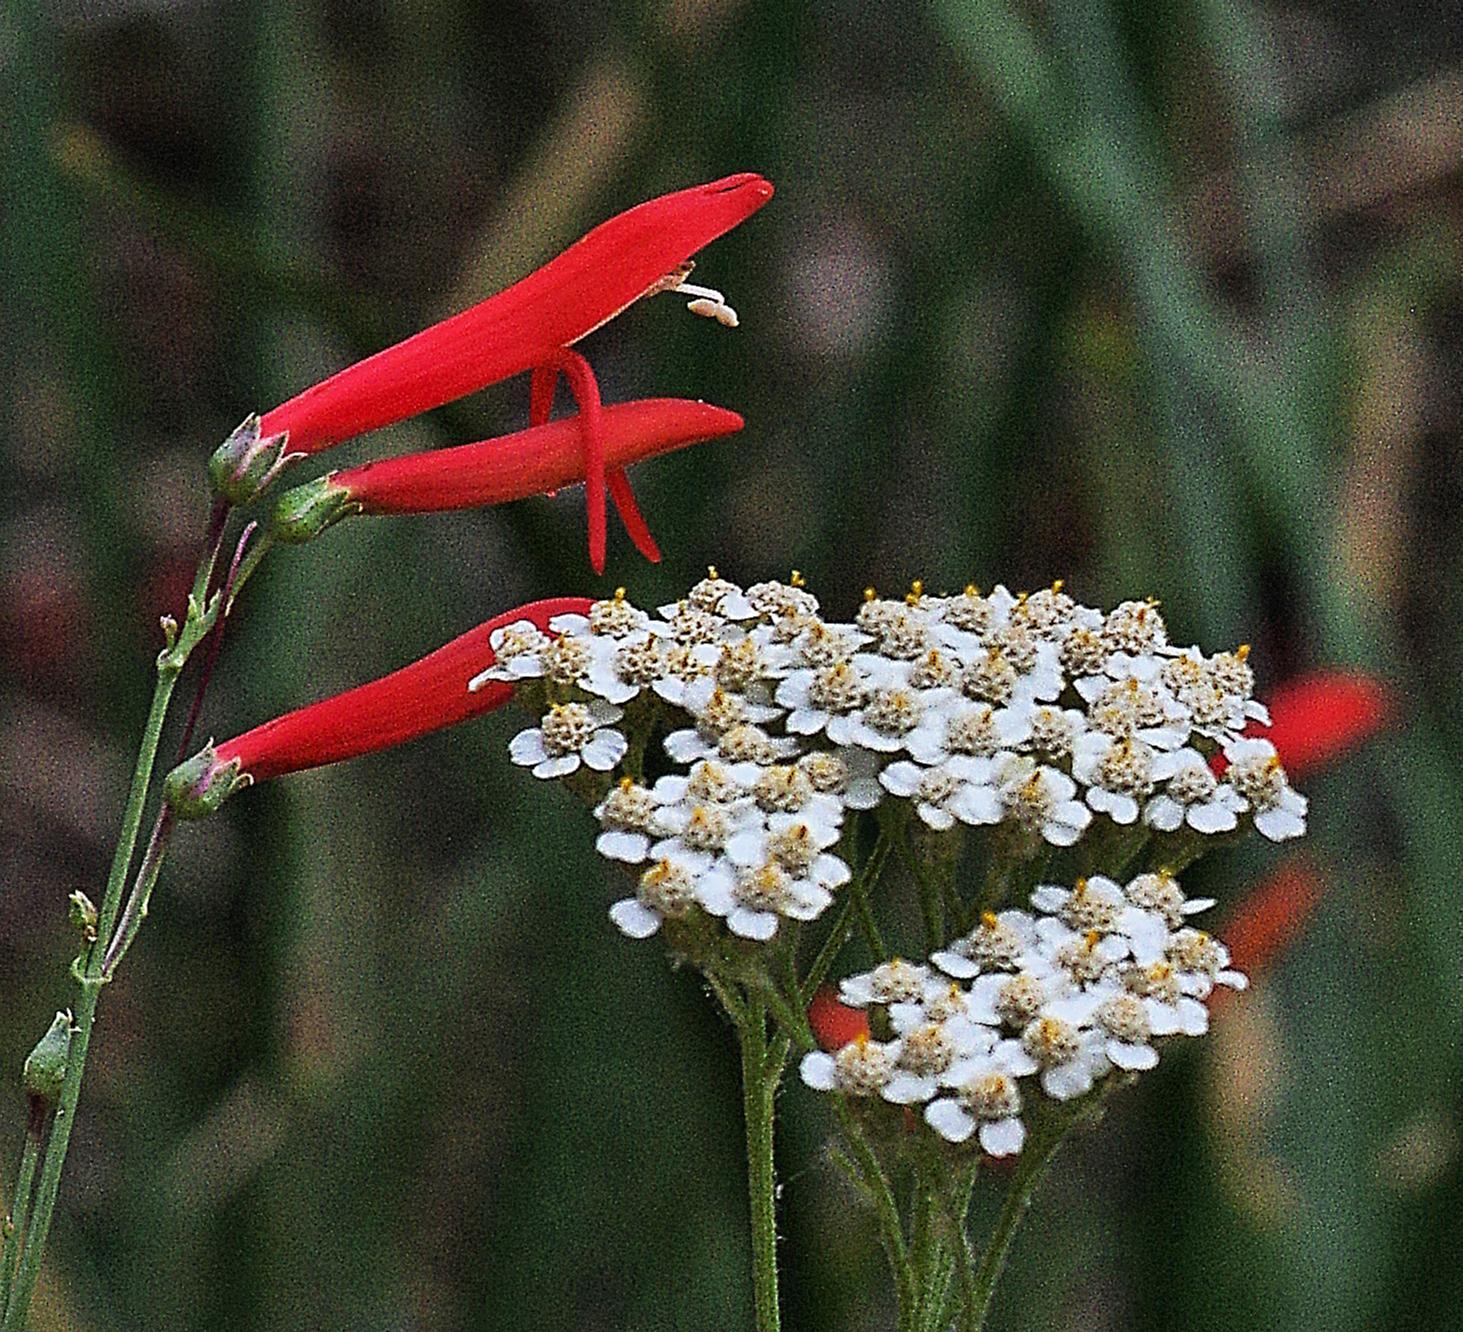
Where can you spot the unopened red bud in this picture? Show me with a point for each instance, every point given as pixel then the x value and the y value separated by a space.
pixel 199 785
pixel 246 462
pixel 303 512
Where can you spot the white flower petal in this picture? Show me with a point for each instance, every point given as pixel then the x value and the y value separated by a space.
pixel 901 778
pixel 687 746
pixel 758 926
pixel 634 918
pixel 618 844
pixel 1211 817
pixel 830 871
pixel 1003 1137
pixel 1065 1081
pixel 1279 824
pixel 605 749
pixel 714 889
pixel 907 1089
pixel 950 1120
pixel 939 819
pixel 819 1071
pixel 527 747
pixel 1067 823
pixel 1131 1056
pixel 977 805
pixel 1164 813
pixel 955 964
pixel 1193 1017
pixel 557 767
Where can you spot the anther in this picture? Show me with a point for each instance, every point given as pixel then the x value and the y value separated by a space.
pixel 708 302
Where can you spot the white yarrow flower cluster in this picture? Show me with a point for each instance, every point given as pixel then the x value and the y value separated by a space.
pixel 1030 713
pixel 1031 1004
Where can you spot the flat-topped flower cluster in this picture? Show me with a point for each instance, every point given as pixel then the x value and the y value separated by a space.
pixel 1059 998
pixel 1032 713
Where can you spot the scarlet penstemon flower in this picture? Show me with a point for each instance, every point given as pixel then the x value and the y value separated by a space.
pixel 426 696
pixel 1317 717
pixel 529 326
pixel 529 462
pixel 1314 718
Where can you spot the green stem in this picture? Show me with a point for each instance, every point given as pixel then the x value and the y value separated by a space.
pixel 864 914
pixel 1031 1168
pixel 244 569
pixel 20 1205
pixel 794 1007
pixel 857 901
pixel 135 912
pixel 954 1204
pixel 876 1188
pixel 727 997
pixel 760 1076
pixel 89 970
pixel 923 1252
pixel 931 898
pixel 89 985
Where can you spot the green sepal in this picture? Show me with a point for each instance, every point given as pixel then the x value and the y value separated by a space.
pixel 243 466
pixel 303 512
pixel 199 785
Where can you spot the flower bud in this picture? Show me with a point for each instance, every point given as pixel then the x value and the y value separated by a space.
pixel 246 462
pixel 303 512
pixel 45 1066
pixel 199 785
pixel 83 914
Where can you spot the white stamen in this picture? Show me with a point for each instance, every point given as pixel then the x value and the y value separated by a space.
pixel 709 303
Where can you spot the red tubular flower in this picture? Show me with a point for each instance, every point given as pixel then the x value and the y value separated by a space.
pixel 835 1024
pixel 530 462
pixel 1271 918
pixel 1315 718
pixel 525 326
pixel 529 327
pixel 426 696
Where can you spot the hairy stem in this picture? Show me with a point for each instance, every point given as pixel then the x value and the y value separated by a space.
pixel 1031 1168
pixel 876 1188
pixel 856 903
pixel 760 1076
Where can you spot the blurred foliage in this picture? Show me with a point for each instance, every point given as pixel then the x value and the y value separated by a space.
pixel 1157 297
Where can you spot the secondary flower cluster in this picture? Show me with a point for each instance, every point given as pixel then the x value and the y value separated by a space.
pixel 1029 712
pixel 1063 996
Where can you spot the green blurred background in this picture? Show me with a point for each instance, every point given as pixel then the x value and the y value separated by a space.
pixel 1159 296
